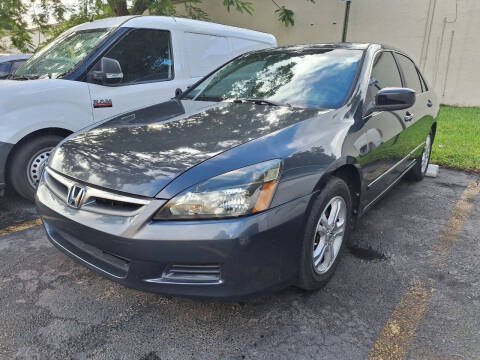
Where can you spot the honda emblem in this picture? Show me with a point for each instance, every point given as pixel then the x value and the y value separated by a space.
pixel 75 196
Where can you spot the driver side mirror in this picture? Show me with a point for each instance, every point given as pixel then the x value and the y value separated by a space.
pixel 106 71
pixel 391 99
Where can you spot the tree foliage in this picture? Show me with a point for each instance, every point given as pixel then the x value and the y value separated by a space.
pixel 44 13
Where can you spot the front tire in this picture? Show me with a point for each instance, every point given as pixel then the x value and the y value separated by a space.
pixel 27 164
pixel 326 233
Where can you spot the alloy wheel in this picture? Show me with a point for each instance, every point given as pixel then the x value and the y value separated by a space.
pixel 329 234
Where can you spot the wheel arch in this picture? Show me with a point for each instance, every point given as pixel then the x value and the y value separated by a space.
pixel 45 131
pixel 349 171
pixel 434 129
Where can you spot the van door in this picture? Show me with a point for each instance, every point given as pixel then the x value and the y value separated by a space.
pixel 146 59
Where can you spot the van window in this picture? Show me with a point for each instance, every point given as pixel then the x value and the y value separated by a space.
pixel 410 72
pixel 62 55
pixel 144 55
pixel 205 53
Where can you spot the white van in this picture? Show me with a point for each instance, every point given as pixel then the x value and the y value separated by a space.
pixel 100 69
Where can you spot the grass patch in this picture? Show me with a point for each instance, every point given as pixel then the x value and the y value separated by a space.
pixel 457 143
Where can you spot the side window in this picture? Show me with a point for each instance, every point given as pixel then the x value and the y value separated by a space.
pixel 144 55
pixel 424 83
pixel 16 65
pixel 410 72
pixel 205 53
pixel 384 74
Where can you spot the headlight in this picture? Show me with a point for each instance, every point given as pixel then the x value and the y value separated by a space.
pixel 240 192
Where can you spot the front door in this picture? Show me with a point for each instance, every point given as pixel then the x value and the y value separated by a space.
pixel 145 56
pixel 384 150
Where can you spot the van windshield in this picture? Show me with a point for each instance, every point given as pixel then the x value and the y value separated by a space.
pixel 62 55
pixel 318 78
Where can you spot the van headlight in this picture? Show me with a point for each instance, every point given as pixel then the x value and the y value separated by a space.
pixel 245 191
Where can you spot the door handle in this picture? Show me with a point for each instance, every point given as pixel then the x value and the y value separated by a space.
pixel 408 116
pixel 429 103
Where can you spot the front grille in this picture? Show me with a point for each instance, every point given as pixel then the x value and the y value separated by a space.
pixel 95 200
pixel 57 187
pixel 113 205
pixel 191 275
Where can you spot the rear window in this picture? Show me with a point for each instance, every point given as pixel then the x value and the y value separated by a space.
pixel 410 73
pixel 319 78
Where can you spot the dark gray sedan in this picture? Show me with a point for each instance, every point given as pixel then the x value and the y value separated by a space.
pixel 250 181
pixel 10 63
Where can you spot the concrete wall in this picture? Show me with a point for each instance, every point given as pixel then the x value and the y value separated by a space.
pixel 441 35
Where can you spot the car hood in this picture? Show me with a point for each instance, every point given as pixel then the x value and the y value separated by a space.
pixel 142 151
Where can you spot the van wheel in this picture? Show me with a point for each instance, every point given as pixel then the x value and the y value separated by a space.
pixel 326 234
pixel 28 162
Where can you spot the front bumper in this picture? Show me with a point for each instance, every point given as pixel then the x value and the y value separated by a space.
pixel 5 149
pixel 249 256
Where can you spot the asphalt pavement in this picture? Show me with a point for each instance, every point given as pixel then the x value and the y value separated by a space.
pixel 408 287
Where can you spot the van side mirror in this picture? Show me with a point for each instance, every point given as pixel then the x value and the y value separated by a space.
pixel 391 99
pixel 178 93
pixel 106 71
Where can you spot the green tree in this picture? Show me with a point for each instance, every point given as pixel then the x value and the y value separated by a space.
pixel 44 13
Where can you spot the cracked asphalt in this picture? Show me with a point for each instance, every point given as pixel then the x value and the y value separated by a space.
pixel 53 308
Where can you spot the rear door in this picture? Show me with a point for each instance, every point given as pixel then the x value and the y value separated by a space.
pixel 380 146
pixel 417 119
pixel 146 58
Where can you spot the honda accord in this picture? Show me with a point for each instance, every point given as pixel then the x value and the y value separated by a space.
pixel 249 181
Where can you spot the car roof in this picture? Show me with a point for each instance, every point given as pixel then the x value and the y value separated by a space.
pixel 338 45
pixel 13 57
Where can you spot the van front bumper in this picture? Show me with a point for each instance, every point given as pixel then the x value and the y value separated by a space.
pixel 5 149
pixel 231 258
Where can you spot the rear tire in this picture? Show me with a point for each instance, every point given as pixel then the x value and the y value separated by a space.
pixel 27 163
pixel 417 173
pixel 318 265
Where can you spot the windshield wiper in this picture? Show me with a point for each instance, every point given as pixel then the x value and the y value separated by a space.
pixel 23 77
pixel 260 102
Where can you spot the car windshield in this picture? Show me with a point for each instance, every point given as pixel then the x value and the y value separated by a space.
pixel 62 55
pixel 318 78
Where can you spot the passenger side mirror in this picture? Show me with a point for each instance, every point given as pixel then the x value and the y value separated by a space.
pixel 106 71
pixel 391 99
pixel 178 93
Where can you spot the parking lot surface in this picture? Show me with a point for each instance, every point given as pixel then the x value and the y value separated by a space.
pixel 408 287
